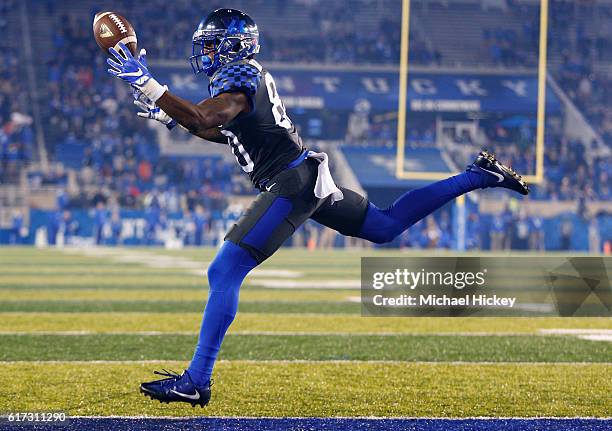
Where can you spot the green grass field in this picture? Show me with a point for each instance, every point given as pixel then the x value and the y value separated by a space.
pixel 80 329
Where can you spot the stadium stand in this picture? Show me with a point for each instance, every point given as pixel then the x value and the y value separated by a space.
pixel 16 130
pixel 102 156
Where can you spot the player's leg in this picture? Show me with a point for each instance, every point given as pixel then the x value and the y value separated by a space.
pixel 256 236
pixel 263 229
pixel 355 216
pixel 266 225
pixel 383 225
pixel 225 276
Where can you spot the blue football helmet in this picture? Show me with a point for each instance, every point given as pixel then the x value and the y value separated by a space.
pixel 229 34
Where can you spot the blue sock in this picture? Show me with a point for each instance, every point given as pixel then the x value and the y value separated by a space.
pixel 225 275
pixel 382 226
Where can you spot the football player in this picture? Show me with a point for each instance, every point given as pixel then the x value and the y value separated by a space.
pixel 245 112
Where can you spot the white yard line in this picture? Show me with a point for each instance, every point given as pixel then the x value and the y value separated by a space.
pixel 584 334
pixel 307 284
pixel 281 333
pixel 307 361
pixel 607 338
pixel 81 333
pixel 576 331
pixel 591 335
pixel 154 260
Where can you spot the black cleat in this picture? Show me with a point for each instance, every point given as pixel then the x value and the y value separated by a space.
pixel 499 174
pixel 176 388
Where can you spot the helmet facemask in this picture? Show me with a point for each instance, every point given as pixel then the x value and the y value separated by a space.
pixel 225 48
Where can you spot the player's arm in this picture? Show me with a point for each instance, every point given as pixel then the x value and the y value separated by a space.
pixel 204 119
pixel 151 111
pixel 213 134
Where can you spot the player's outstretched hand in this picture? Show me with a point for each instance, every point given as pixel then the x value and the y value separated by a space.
pixel 134 72
pixel 151 111
pixel 131 70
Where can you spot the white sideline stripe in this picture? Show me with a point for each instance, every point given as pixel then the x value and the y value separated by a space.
pixel 79 333
pixel 308 361
pixel 594 337
pixel 285 333
pixel 132 313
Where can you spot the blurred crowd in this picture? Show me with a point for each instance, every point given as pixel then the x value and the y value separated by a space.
pixel 571 174
pixel 16 131
pixel 571 170
pixel 17 137
pixel 329 33
pixel 92 128
pixel 579 38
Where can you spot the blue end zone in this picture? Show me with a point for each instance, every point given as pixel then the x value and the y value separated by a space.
pixel 316 424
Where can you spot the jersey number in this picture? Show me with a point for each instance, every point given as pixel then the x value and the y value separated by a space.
pixel 243 158
pixel 278 109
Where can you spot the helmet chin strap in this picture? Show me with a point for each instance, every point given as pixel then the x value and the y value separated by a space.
pixel 206 61
pixel 210 66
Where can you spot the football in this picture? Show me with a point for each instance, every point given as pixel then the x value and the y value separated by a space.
pixel 110 28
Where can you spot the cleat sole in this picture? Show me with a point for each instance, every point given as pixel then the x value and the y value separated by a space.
pixel 150 395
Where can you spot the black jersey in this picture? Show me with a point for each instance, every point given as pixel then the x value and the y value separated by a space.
pixel 264 140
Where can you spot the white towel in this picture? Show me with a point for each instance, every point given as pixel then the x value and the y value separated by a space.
pixel 325 185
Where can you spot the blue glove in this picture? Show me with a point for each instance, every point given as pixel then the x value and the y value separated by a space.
pixel 134 72
pixel 140 97
pixel 129 69
pixel 142 58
